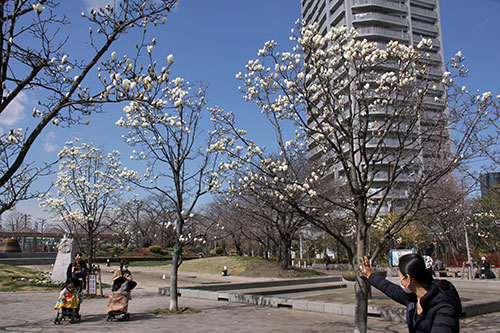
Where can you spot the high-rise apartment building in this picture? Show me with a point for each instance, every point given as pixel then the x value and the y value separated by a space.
pixel 380 21
pixel 406 21
pixel 490 183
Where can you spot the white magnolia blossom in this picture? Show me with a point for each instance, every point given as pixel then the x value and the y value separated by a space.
pixel 38 8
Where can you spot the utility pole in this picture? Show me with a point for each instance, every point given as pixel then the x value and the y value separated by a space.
pixel 469 259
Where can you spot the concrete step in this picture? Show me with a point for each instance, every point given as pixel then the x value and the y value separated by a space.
pixel 267 284
pixel 292 289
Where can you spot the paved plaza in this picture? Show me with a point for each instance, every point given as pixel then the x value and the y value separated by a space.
pixel 33 312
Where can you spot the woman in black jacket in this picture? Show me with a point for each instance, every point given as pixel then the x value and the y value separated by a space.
pixel 432 305
pixel 77 271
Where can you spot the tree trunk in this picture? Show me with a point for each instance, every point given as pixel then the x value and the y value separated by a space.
pixel 174 301
pixel 362 288
pixel 285 255
pixel 237 246
pixel 90 247
pixel 266 249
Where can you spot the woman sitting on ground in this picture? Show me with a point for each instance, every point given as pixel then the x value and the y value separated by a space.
pixel 432 305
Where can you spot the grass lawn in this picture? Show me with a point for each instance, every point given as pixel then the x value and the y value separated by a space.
pixel 15 278
pixel 145 263
pixel 243 266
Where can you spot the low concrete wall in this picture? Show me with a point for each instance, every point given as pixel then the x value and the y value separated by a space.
pixel 265 284
pixel 28 258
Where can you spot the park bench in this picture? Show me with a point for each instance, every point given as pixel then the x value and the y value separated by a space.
pixel 451 271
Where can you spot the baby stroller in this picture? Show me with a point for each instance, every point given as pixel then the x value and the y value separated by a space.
pixel 118 299
pixel 68 307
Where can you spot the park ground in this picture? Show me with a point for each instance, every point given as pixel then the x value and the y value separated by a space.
pixel 33 311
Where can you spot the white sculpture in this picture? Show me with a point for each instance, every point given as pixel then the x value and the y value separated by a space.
pixel 65 254
pixel 65 245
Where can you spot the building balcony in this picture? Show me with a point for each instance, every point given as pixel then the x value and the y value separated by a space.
pixel 424 13
pixel 426 27
pixel 428 3
pixel 339 12
pixel 379 17
pixel 384 4
pixel 434 58
pixel 378 32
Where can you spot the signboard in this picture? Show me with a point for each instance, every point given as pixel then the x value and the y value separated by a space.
pixel 394 255
pixel 92 284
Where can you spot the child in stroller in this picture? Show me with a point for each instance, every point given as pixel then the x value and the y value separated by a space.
pixel 68 303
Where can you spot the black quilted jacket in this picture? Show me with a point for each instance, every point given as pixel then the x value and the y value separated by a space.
pixel 441 305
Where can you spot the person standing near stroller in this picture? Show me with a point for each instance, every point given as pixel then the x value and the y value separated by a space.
pixel 77 271
pixel 432 305
pixel 122 278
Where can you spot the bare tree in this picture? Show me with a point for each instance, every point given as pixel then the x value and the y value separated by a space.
pixel 17 220
pixel 143 220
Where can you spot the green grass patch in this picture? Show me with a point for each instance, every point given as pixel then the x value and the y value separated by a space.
pixel 168 312
pixel 15 278
pixel 244 266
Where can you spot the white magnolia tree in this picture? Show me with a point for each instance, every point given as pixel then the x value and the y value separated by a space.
pixel 377 128
pixel 38 63
pixel 182 159
pixel 89 184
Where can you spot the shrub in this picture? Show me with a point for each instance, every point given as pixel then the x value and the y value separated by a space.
pixel 116 249
pixel 155 249
pixel 219 249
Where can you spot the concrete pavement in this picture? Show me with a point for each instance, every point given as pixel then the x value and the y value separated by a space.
pixel 33 312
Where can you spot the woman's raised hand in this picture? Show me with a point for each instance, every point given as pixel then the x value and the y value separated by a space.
pixel 366 267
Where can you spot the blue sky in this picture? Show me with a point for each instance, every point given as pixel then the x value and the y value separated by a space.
pixel 212 40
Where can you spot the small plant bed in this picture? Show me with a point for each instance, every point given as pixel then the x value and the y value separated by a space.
pixel 14 278
pixel 168 312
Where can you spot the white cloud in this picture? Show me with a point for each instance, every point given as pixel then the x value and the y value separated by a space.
pixel 48 145
pixel 96 4
pixel 14 111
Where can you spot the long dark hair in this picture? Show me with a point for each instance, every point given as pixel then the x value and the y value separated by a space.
pixel 414 265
